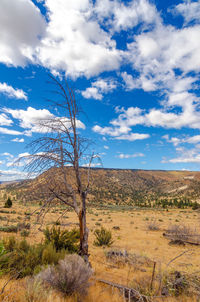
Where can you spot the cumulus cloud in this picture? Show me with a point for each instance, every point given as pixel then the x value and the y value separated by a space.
pixel 10 131
pixel 80 39
pixel 75 42
pixel 10 92
pixel 17 20
pixel 120 133
pixel 133 136
pixel 20 160
pixel 7 154
pixel 77 39
pixel 119 16
pixel 5 120
pixel 155 54
pixel 190 10
pixel 122 155
pixel 11 175
pixel 30 118
pixel 36 120
pixel 98 88
pixel 185 155
pixel 132 116
pixel 177 141
pixel 18 140
pixel 92 165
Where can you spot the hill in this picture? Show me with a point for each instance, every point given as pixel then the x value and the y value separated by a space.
pixel 122 186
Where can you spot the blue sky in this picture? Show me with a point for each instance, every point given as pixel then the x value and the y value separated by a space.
pixel 134 66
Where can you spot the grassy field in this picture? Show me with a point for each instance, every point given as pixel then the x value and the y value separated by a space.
pixel 130 231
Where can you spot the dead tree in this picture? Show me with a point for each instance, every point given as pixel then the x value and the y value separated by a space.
pixel 61 152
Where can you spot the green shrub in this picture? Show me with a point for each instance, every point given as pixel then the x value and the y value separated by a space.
pixel 23 259
pixel 103 237
pixel 2 248
pixel 8 203
pixel 62 239
pixel 25 233
pixel 195 206
pixel 51 256
pixel 9 244
pixel 9 229
pixel 4 212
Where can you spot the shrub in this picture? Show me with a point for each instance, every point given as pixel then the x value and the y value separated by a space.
pixel 183 232
pixel 23 259
pixel 65 239
pixel 70 276
pixel 9 229
pixel 103 237
pixel 25 233
pixel 4 212
pixel 9 244
pixel 2 249
pixel 23 226
pixel 8 203
pixel 152 225
pixel 50 255
pixel 34 291
pixel 116 228
pixel 195 206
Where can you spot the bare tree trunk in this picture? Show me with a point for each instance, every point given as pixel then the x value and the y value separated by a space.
pixel 84 232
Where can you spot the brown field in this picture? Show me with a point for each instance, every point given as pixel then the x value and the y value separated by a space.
pixel 131 235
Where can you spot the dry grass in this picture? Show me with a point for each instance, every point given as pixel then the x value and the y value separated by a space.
pixel 135 237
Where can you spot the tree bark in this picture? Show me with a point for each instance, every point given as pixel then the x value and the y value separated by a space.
pixel 84 232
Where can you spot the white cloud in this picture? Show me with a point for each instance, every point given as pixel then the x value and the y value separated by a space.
pixel 5 120
pixel 30 118
pixel 72 39
pixel 133 136
pixel 19 161
pixel 92 93
pixel 119 16
pixel 190 10
pixel 10 131
pixel 120 133
pixel 132 116
pixel 11 92
pixel 7 154
pixel 174 140
pixel 110 130
pixel 21 26
pixel 177 141
pixel 18 140
pixel 10 175
pixel 92 165
pixel 36 120
pixel 156 55
pixel 185 155
pixel 106 147
pixel 98 88
pixel 122 155
pixel 75 42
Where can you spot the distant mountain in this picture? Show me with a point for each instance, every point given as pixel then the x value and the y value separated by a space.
pixel 11 181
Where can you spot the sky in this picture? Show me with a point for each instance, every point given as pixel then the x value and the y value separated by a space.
pixel 133 65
